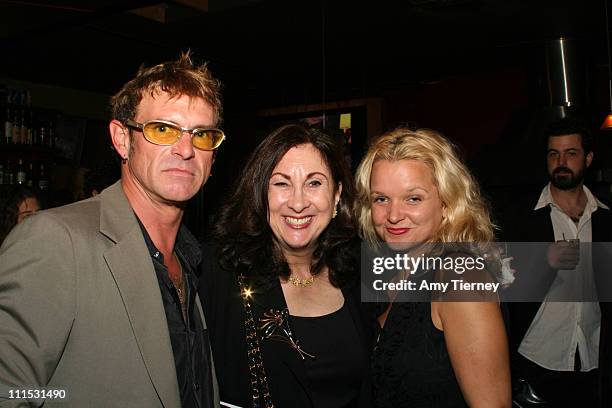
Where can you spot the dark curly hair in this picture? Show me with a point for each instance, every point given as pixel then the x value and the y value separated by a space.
pixel 10 208
pixel 247 244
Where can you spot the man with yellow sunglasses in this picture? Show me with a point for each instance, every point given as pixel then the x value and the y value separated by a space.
pixel 97 299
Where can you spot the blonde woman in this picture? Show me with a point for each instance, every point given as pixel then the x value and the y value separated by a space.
pixel 413 189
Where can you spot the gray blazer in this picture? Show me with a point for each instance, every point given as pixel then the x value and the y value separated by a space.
pixel 81 310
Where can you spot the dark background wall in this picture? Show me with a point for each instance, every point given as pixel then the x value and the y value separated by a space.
pixel 478 70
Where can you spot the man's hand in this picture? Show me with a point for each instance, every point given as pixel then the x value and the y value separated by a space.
pixel 564 254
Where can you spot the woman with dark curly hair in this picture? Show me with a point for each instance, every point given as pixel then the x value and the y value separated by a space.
pixel 21 203
pixel 282 300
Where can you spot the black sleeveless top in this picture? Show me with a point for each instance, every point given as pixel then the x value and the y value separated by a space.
pixel 410 363
pixel 335 374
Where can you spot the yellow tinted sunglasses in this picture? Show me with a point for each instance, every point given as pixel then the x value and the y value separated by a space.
pixel 161 132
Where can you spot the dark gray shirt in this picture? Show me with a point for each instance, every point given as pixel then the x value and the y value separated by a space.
pixel 190 342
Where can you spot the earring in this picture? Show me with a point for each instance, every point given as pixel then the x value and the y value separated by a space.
pixel 124 160
pixel 335 211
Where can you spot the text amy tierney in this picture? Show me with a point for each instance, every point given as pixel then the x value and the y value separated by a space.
pixel 443 287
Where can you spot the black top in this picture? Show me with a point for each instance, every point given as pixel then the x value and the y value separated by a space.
pixel 190 343
pixel 410 363
pixel 287 375
pixel 335 372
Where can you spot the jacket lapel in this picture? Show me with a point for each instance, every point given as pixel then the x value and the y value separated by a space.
pixel 134 274
pixel 275 300
pixel 601 224
pixel 215 384
pixel 541 226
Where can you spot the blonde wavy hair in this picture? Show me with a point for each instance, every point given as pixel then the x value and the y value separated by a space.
pixel 466 214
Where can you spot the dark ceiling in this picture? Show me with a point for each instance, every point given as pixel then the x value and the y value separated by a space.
pixel 278 52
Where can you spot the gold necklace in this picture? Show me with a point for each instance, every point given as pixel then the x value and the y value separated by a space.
pixel 301 283
pixel 179 285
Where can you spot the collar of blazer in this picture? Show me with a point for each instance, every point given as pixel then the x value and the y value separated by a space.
pixel 130 264
pixel 117 217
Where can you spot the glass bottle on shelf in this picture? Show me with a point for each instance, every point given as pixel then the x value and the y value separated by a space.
pixel 42 136
pixel 30 176
pixel 43 180
pixel 8 127
pixel 21 173
pixel 31 129
pixel 51 138
pixel 16 132
pixel 23 128
pixel 9 174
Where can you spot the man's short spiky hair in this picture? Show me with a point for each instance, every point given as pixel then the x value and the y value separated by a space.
pixel 180 77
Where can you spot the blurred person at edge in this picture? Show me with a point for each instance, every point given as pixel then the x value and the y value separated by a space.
pixel 99 297
pixel 413 189
pixel 21 203
pixel 286 264
pixel 561 350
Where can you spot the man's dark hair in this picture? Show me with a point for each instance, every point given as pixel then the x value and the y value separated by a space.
pixel 247 243
pixel 570 126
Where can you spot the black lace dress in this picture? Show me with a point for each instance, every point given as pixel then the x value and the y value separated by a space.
pixel 410 363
